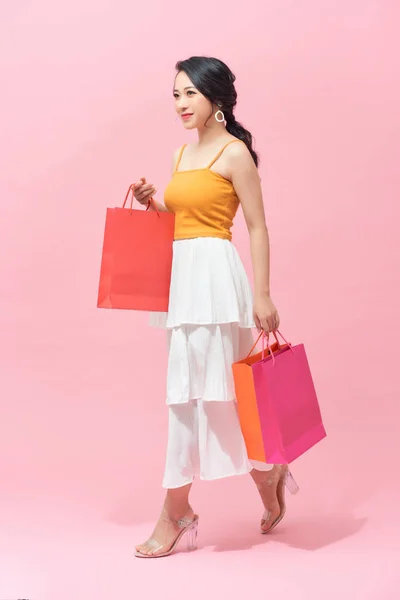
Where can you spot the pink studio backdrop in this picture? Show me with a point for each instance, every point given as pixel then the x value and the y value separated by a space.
pixel 87 109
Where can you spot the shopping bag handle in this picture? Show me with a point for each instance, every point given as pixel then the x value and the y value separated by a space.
pixel 265 336
pixel 131 188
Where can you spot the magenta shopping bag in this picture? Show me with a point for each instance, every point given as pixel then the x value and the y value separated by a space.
pixel 278 407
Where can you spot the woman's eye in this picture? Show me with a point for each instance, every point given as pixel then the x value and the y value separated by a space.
pixel 191 92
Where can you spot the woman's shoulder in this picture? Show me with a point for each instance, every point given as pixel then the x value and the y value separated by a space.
pixel 240 149
pixel 237 156
pixel 175 153
pixel 175 156
pixel 235 150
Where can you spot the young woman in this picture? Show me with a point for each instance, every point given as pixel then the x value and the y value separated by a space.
pixel 211 310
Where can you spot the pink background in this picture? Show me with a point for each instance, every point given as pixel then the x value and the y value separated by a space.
pixel 87 109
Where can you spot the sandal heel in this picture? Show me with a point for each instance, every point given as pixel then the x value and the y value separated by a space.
pixel 191 538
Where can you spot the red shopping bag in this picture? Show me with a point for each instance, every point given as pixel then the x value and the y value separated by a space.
pixel 136 261
pixel 278 407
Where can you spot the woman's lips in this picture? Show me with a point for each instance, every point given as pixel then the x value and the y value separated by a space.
pixel 187 116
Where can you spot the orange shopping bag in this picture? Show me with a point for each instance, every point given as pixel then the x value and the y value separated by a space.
pixel 136 260
pixel 278 407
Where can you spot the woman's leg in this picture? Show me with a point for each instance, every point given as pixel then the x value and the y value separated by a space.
pixel 223 453
pixel 177 504
pixel 265 476
pixel 180 469
pixel 266 481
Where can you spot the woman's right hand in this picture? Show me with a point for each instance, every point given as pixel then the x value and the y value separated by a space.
pixel 143 191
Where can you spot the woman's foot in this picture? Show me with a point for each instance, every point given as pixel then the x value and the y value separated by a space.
pixel 267 485
pixel 271 485
pixel 167 534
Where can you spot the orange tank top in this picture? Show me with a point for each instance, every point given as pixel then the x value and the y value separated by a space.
pixel 203 201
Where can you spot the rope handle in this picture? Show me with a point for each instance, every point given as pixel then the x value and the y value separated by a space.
pixel 131 188
pixel 265 336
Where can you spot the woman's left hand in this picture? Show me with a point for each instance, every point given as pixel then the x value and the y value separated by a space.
pixel 266 316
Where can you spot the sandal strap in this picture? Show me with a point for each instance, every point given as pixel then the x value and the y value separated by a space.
pixel 182 523
pixel 185 522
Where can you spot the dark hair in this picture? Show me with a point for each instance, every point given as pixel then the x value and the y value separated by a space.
pixel 215 81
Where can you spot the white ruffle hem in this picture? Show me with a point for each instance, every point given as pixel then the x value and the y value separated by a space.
pixel 209 327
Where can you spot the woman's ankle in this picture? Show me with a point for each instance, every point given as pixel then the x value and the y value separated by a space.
pixel 178 513
pixel 177 510
pixel 177 504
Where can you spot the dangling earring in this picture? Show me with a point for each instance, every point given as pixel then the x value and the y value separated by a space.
pixel 219 112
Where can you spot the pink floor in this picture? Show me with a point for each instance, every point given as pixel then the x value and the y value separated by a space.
pixel 341 541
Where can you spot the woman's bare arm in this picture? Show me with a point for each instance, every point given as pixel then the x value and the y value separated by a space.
pixel 246 181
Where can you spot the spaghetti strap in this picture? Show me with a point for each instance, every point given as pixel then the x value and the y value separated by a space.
pixel 179 157
pixel 221 151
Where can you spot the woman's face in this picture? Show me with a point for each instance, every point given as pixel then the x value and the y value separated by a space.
pixel 189 101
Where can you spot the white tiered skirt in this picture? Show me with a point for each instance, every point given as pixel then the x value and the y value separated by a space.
pixel 209 327
pixel 209 286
